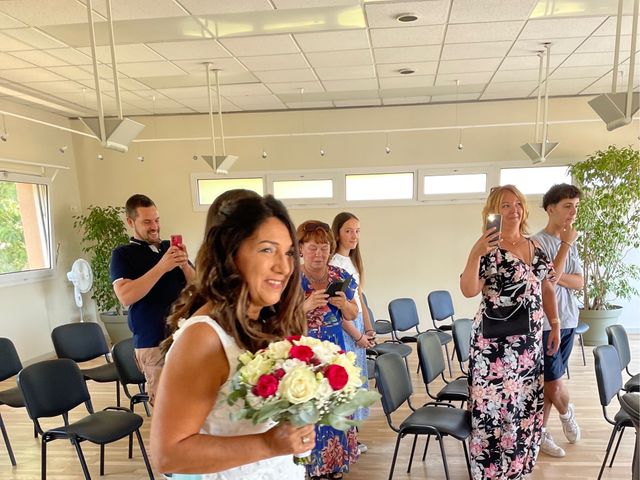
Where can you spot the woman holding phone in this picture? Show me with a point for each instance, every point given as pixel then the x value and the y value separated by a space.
pixel 334 450
pixel 506 398
pixel 359 334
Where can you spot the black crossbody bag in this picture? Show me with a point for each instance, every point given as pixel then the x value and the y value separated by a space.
pixel 501 322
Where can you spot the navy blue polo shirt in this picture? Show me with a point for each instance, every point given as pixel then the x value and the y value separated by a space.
pixel 147 316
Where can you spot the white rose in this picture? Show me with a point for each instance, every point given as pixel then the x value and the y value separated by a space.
pixel 258 366
pixel 291 364
pixel 298 386
pixel 245 358
pixel 279 350
pixel 308 341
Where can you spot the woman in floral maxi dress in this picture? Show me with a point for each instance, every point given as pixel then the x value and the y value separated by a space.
pixel 506 374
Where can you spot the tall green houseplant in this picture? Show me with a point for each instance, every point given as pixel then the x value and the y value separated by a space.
pixel 102 230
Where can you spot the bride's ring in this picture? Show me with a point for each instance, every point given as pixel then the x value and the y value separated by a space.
pixel 305 440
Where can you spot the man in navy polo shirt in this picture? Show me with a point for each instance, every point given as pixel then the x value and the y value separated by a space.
pixel 148 275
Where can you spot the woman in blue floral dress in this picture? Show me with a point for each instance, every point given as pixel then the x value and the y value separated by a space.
pixel 335 450
pixel 506 373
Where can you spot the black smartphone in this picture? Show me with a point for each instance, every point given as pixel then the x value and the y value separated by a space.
pixel 338 286
pixel 493 220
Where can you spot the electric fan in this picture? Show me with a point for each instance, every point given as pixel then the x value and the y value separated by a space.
pixel 82 278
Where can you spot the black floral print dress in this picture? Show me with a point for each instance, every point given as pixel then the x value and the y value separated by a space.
pixel 506 374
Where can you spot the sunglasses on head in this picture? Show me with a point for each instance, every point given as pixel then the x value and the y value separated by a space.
pixel 313 226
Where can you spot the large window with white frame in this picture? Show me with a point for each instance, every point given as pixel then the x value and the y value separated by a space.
pixel 303 188
pixel 534 180
pixel 207 187
pixel 26 236
pixel 379 186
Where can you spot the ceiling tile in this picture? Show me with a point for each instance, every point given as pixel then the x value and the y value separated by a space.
pixel 294 87
pixel 8 61
pixel 227 66
pixel 274 62
pixel 124 53
pixel 260 45
pixel 66 86
pixel 10 44
pixel 509 90
pixel 45 12
pixel 482 32
pixel 24 75
pixel 433 12
pixel 420 53
pixel 471 65
pixel 521 75
pixel 405 101
pixel 467 11
pixel 40 58
pixel 580 72
pixel 350 85
pixel 464 78
pixel 310 105
pixel 403 37
pixel 131 84
pixel 461 51
pixel 463 97
pixel 244 89
pixel 34 38
pixel 279 76
pixel 405 81
pixel 340 58
pixel 71 72
pixel 609 26
pixel 393 69
pixel 282 4
pixel 184 92
pixel 149 69
pixel 332 41
pixel 195 49
pixel 586 59
pixel 256 102
pixel 140 9
pixel 604 44
pixel 202 104
pixel 559 46
pixel 207 7
pixel 547 28
pixel 568 86
pixel 531 61
pixel 358 103
pixel 71 56
pixel 6 21
pixel 345 73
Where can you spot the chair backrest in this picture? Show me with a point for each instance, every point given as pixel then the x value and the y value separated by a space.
pixel 461 329
pixel 403 313
pixel 392 381
pixel 10 363
pixel 124 358
pixel 617 337
pixel 608 373
pixel 79 341
pixel 52 387
pixel 430 356
pixel 440 305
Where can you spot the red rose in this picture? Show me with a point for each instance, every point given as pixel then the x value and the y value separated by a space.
pixel 279 373
pixel 267 385
pixel 301 352
pixel 293 338
pixel 337 376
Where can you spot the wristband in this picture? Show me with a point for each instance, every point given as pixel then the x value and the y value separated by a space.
pixel 566 243
pixel 554 321
pixel 359 338
pixel 367 331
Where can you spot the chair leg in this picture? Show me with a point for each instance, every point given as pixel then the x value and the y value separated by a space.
pixel 426 447
pixel 466 457
pixel 43 460
pixel 35 430
pixel 606 455
pixel 101 459
pixel 395 456
pixel 568 373
pixel 446 349
pixel 413 449
pixel 144 455
pixel 615 451
pixel 131 445
pixel 584 359
pixel 444 456
pixel 117 393
pixel 83 462
pixel 7 442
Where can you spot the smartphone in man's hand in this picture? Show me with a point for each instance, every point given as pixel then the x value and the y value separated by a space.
pixel 176 240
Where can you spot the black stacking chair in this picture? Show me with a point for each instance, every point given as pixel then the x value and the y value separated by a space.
pixel 388 346
pixel 129 373
pixel 609 380
pixel 432 367
pixel 85 341
pixel 10 366
pixel 580 330
pixel 54 387
pixel 461 332
pixel 630 403
pixel 617 336
pixel 434 418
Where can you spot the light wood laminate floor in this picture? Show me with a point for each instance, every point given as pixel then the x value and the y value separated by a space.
pixel 581 462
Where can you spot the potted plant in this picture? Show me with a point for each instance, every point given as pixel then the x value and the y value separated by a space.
pixel 102 230
pixel 609 221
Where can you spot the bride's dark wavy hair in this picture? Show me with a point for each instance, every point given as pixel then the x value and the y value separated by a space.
pixel 219 282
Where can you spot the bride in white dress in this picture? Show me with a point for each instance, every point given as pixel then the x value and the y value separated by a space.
pixel 242 299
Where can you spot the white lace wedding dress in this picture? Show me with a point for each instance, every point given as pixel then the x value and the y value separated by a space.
pixel 219 423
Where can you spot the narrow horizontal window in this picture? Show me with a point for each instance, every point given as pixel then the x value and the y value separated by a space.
pixel 211 188
pixel 381 186
pixel 449 184
pixel 294 189
pixel 534 180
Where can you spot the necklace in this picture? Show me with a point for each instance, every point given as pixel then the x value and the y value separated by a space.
pixel 318 280
pixel 513 244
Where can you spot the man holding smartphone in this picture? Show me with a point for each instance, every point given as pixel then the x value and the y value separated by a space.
pixel 148 275
pixel 557 240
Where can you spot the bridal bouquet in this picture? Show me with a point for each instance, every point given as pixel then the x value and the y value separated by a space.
pixel 302 380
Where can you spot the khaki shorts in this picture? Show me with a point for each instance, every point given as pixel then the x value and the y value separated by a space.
pixel 150 362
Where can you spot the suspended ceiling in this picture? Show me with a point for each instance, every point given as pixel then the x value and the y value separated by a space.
pixel 289 54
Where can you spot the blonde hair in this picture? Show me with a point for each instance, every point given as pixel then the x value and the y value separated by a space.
pixel 494 200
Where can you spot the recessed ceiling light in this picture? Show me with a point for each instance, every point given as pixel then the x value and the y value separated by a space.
pixel 406 71
pixel 407 17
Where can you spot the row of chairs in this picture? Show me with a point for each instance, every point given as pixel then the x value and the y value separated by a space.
pixel 54 387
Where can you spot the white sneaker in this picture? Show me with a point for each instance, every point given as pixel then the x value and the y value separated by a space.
pixel 569 425
pixel 362 448
pixel 549 446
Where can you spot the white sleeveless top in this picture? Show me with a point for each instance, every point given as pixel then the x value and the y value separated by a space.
pixel 346 263
pixel 219 422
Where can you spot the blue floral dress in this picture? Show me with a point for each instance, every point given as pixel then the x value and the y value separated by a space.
pixel 506 374
pixel 335 450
